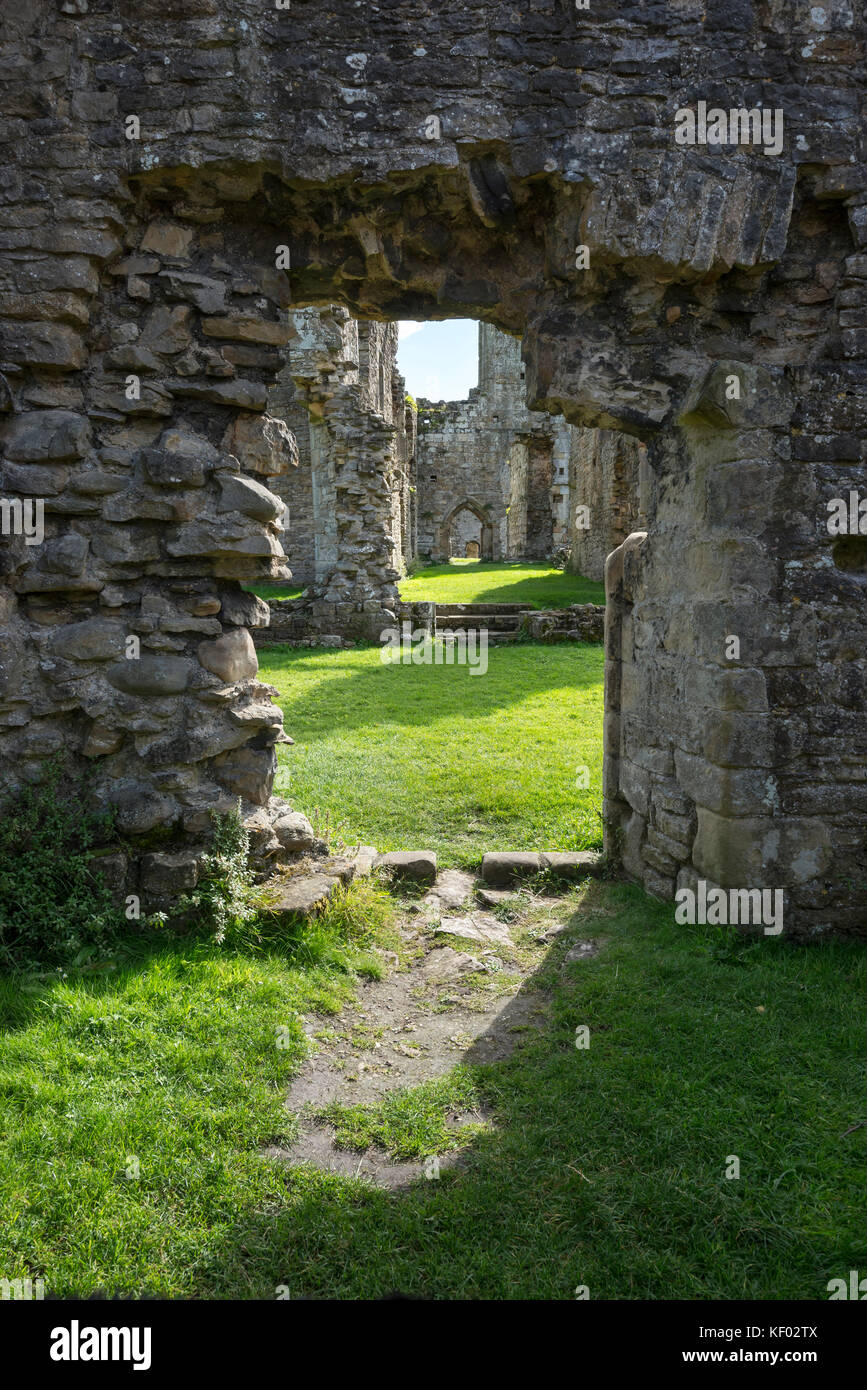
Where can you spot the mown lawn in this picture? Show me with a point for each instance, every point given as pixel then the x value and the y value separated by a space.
pixel 275 591
pixel 432 757
pixel 603 1167
pixel 482 581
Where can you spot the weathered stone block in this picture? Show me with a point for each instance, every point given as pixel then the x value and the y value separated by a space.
pixel 760 852
pixel 151 675
pixel 572 865
pixel 168 875
pixel 232 657
pixel 40 435
pixel 244 495
pixel 499 868
pixel 420 866
pixel 294 832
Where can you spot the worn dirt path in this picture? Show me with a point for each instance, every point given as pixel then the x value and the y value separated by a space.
pixel 441 1004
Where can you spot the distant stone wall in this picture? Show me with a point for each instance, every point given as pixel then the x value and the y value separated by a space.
pixel 491 458
pixel 610 482
pixel 296 620
pixel 349 517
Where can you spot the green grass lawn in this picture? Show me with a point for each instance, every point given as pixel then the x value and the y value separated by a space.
pixel 275 591
pixel 602 1167
pixel 431 757
pixel 481 581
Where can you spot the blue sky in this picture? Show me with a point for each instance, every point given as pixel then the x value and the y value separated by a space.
pixel 439 360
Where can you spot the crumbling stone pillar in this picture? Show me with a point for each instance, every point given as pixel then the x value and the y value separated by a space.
pixel 344 372
pixel 127 640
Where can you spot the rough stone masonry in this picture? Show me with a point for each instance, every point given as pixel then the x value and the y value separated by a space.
pixel 178 174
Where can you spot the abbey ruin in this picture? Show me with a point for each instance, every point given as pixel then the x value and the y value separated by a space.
pixel 182 182
pixel 485 477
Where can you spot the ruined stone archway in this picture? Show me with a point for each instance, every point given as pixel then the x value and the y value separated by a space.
pixel 468 521
pixel 162 258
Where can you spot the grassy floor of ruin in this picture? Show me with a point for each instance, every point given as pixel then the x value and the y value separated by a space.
pixel 434 757
pixel 145 1111
pixel 480 581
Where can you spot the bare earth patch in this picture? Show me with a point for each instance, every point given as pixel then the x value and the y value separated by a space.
pixel 466 1000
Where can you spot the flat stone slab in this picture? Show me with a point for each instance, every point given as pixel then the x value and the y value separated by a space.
pixel 582 950
pixel 574 866
pixel 301 896
pixel 453 887
pixel 477 926
pixel 493 897
pixel 338 866
pixel 419 866
pixel 363 859
pixel 501 869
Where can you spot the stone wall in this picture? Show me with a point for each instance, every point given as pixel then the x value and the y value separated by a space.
pixel 348 507
pixel 440 162
pixel 487 466
pixel 488 478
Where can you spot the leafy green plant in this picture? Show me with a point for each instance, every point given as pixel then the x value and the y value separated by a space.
pixel 226 899
pixel 54 908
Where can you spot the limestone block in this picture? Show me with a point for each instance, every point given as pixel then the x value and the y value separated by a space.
pixel 151 675
pixel 420 866
pixel 40 435
pixel 167 331
pixel 33 480
pixel 239 494
pixel 165 469
pixel 301 895
pixel 294 832
pixel 262 443
pixel 97 639
pixel 139 809
pixel 169 239
pixel 573 865
pixel 248 773
pixel 246 328
pixel 206 294
pixel 758 852
pixel 244 609
pixel 101 740
pixel 500 869
pixel 168 875
pixel 232 657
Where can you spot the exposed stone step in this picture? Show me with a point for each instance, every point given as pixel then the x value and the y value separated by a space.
pixel 450 609
pixel 419 866
pixel 303 894
pixel 503 868
pixel 493 622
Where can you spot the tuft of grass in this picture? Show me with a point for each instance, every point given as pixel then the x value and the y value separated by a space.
pixel 410 1123
pixel 432 757
pixel 485 581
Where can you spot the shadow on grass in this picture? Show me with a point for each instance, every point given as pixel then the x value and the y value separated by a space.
pixel 540 591
pixel 382 693
pixel 606 1167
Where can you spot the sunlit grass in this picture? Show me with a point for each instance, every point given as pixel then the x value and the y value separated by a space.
pixel 481 581
pixel 408 757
